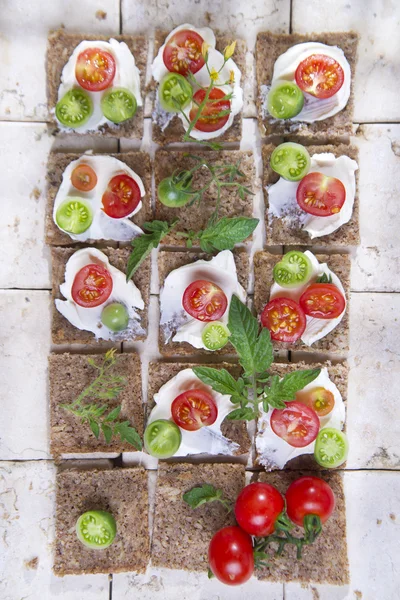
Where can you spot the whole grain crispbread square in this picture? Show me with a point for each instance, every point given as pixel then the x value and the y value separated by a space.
pixel 281 231
pixel 123 493
pixel 138 161
pixel 324 561
pixel 61 45
pixel 269 46
pixel 63 332
pixel 69 375
pixel 337 341
pixel 181 534
pixel 160 373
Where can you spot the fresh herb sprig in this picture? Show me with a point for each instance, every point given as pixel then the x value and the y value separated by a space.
pixel 97 415
pixel 206 493
pixel 282 536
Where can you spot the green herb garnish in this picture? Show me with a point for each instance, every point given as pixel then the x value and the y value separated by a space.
pixel 205 493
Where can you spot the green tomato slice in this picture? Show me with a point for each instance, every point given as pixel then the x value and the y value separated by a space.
pixel 285 100
pixel 291 161
pixel 118 105
pixel 115 316
pixel 162 438
pixel 174 92
pixel 215 335
pixel 331 448
pixel 74 215
pixel 74 109
pixel 293 270
pixel 96 529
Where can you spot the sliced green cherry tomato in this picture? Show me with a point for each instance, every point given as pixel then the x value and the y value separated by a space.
pixel 96 529
pixel 291 161
pixel 74 109
pixel 215 335
pixel 162 438
pixel 176 190
pixel 174 92
pixel 285 100
pixel 118 105
pixel 293 270
pixel 331 448
pixel 74 215
pixel 115 316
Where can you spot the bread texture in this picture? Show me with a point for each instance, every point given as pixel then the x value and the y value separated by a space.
pixel 269 46
pixel 123 493
pixel 63 332
pixel 160 373
pixel 281 231
pixel 69 375
pixel 337 341
pixel 181 534
pixel 139 162
pixel 61 45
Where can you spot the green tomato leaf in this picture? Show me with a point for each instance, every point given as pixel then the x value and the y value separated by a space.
pixel 113 415
pixel 263 351
pixel 157 226
pixel 228 231
pixel 242 414
pixel 143 244
pixel 94 426
pixel 284 390
pixel 128 434
pixel 107 432
pixel 219 379
pixel 200 495
pixel 244 333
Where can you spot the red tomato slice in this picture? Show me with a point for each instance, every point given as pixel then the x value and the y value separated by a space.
pixel 297 424
pixel 92 286
pixel 194 409
pixel 319 399
pixel 182 52
pixel 209 120
pixel 205 301
pixel 320 195
pixel 121 197
pixel 319 75
pixel 285 319
pixel 322 301
pixel 95 69
pixel 83 178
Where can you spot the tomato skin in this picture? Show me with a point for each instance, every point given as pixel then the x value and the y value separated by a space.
pixel 83 178
pixel 194 409
pixel 257 508
pixel 309 496
pixel 121 196
pixel 208 121
pixel 319 399
pixel 297 424
pixel 320 76
pixel 230 556
pixel 320 195
pixel 204 300
pixel 95 69
pixel 276 313
pixel 92 286
pixel 182 52
pixel 322 301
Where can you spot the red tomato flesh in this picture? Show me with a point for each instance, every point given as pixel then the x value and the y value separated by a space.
pixel 257 508
pixel 83 178
pixel 320 195
pixel 319 399
pixel 230 556
pixel 205 301
pixel 209 119
pixel 319 75
pixel 121 196
pixel 92 286
pixel 182 52
pixel 309 496
pixel 284 318
pixel 95 69
pixel 297 424
pixel 322 301
pixel 194 409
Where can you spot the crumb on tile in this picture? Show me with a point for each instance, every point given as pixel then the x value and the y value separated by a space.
pixel 35 193
pixel 392 516
pixel 7 110
pixel 379 521
pixel 32 564
pixel 315 594
pixel 358 594
pixel 101 15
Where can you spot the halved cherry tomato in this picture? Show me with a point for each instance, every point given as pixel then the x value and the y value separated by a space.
pixel 209 119
pixel 83 178
pixel 319 75
pixel 257 508
pixel 320 195
pixel 194 409
pixel 309 496
pixel 95 69
pixel 182 52
pixel 204 300
pixel 92 286
pixel 319 399
pixel 230 556
pixel 284 318
pixel 297 424
pixel 322 301
pixel 121 196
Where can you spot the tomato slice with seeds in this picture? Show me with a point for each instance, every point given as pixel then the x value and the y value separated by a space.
pixel 320 195
pixel 83 178
pixel 323 301
pixel 194 409
pixel 182 52
pixel 92 286
pixel 297 424
pixel 319 399
pixel 285 319
pixel 204 300
pixel 210 119
pixel 320 76
pixel 95 69
pixel 121 196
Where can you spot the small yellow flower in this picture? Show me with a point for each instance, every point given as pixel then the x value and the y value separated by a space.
pixel 204 49
pixel 231 77
pixel 229 50
pixel 214 75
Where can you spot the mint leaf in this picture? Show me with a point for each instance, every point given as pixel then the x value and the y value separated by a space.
pixel 244 332
pixel 219 379
pixel 227 232
pixel 242 414
pixel 143 244
pixel 202 494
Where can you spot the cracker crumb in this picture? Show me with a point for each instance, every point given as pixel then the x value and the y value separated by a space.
pixel 8 110
pixel 101 15
pixel 32 564
pixel 35 193
pixel 392 516
pixel 315 593
pixel 379 521
pixel 358 594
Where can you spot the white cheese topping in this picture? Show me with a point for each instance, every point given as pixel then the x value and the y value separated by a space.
pixel 316 329
pixel 103 226
pixel 215 60
pixel 273 451
pixel 127 75
pixel 220 270
pixel 283 203
pixel 89 319
pixel 314 109
pixel 207 440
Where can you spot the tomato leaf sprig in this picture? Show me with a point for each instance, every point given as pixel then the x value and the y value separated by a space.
pixel 106 386
pixel 203 494
pixel 143 244
pixel 282 535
